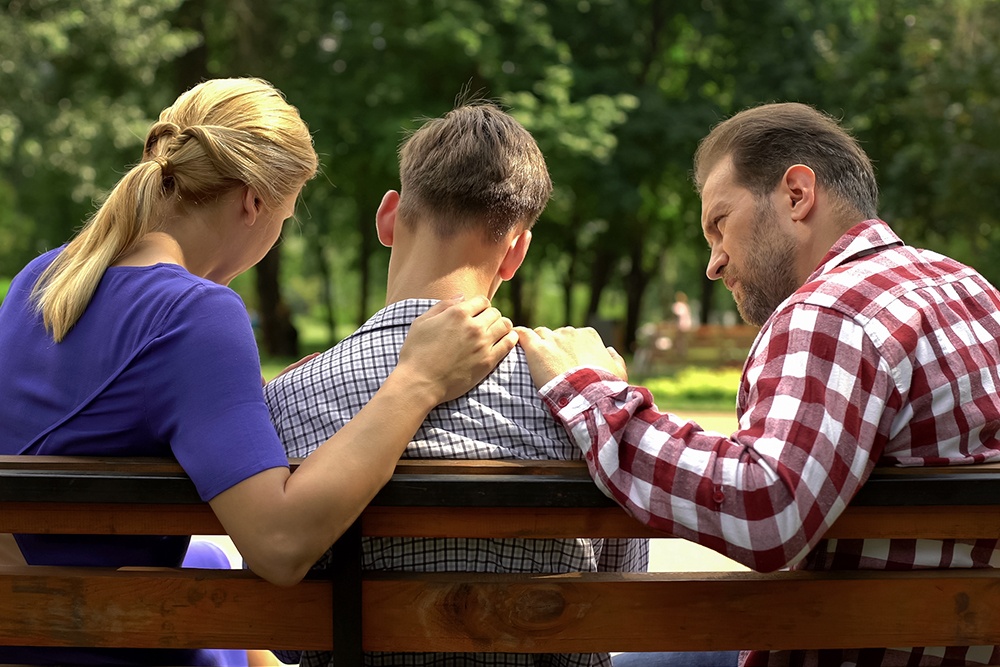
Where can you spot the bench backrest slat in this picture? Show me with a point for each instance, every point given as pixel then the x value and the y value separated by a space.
pixel 921 522
pixel 485 499
pixel 160 608
pixel 523 613
pixel 682 612
pixel 949 522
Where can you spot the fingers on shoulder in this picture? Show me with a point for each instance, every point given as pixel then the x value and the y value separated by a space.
pixel 441 306
pixel 504 346
pixel 569 334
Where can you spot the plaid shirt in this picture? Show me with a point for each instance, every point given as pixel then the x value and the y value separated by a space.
pixel 502 418
pixel 887 353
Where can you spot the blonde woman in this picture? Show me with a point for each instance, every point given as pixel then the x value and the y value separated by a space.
pixel 128 342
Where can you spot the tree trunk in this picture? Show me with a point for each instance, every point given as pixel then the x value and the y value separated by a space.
pixel 278 335
pixel 707 297
pixel 600 272
pixel 329 299
pixel 192 66
pixel 366 226
pixel 637 281
pixel 569 280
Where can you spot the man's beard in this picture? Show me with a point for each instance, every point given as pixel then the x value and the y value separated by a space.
pixel 768 276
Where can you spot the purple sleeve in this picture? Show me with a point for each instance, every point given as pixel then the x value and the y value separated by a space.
pixel 204 395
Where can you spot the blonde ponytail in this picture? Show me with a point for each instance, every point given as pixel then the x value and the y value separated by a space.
pixel 221 134
pixel 65 288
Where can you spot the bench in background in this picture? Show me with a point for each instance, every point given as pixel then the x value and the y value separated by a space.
pixel 662 348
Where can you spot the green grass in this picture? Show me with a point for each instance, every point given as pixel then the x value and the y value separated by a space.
pixel 719 422
pixel 695 388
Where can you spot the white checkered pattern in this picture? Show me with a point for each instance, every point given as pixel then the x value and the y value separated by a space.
pixel 502 418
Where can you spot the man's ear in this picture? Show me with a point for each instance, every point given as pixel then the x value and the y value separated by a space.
pixel 798 190
pixel 516 251
pixel 385 218
pixel 251 205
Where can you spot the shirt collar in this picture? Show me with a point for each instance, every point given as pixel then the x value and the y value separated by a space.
pixel 861 239
pixel 398 314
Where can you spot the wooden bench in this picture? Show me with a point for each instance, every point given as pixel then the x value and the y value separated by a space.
pixel 575 612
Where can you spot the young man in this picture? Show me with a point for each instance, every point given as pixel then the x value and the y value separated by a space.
pixel 473 184
pixel 870 351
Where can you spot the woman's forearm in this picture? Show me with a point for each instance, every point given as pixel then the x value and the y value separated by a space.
pixel 282 523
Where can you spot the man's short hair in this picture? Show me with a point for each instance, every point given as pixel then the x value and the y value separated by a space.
pixel 474 167
pixel 765 141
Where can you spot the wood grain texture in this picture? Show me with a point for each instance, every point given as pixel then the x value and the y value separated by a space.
pixel 519 613
pixel 646 612
pixel 160 608
pixel 108 519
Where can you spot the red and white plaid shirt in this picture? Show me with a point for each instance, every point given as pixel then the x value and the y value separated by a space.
pixel 887 353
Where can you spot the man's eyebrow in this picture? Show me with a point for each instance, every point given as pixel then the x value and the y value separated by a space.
pixel 709 219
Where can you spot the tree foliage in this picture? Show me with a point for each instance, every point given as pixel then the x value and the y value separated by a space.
pixel 617 93
pixel 78 81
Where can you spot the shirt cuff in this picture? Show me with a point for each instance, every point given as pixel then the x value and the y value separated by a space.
pixel 578 389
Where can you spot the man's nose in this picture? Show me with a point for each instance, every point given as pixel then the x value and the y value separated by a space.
pixel 716 263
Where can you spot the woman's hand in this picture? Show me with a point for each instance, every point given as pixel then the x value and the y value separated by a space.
pixel 282 523
pixel 552 353
pixel 454 345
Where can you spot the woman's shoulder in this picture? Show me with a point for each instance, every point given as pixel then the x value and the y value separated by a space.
pixel 136 305
pixel 167 287
pixel 29 275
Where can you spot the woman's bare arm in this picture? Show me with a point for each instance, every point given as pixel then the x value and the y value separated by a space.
pixel 282 523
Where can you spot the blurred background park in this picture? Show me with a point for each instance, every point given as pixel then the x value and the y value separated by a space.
pixel 617 93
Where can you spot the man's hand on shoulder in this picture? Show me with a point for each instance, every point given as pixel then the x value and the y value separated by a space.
pixel 552 353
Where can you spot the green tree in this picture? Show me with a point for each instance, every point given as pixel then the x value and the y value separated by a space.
pixel 383 66
pixel 80 88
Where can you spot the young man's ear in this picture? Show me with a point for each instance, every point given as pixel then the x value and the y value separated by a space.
pixel 385 218
pixel 516 252
pixel 798 191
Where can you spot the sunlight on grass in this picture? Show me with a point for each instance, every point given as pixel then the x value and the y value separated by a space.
pixel 695 388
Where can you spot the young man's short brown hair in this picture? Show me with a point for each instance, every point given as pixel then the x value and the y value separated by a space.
pixel 474 167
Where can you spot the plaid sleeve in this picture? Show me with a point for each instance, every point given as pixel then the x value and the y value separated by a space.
pixel 816 400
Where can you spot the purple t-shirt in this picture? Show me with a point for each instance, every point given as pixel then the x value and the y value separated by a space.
pixel 162 363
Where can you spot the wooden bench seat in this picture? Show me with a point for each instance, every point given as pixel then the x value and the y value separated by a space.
pixel 573 612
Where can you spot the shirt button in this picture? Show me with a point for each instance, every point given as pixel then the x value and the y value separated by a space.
pixel 562 402
pixel 719 497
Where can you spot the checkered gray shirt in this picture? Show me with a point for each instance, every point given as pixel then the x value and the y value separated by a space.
pixel 502 418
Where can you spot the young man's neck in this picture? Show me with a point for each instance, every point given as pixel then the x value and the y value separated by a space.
pixel 435 269
pixel 462 281
pixel 424 265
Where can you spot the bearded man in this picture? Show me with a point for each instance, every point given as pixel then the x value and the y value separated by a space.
pixel 870 351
